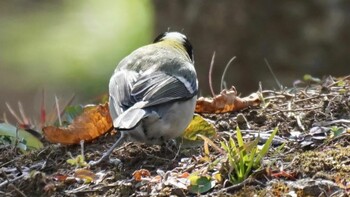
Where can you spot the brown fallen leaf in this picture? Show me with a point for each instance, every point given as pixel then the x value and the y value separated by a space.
pixel 60 177
pixel 226 101
pixel 184 175
pixel 87 175
pixel 139 174
pixel 92 123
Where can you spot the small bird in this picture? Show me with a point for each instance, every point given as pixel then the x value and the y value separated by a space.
pixel 153 92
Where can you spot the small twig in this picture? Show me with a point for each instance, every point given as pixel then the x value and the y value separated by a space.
pixel 25 120
pixel 177 152
pixel 327 123
pixel 53 113
pixel 332 140
pixel 260 88
pixel 276 97
pixel 4 117
pixel 24 172
pixel 82 148
pixel 43 150
pixel 273 74
pixel 13 113
pixel 210 75
pixel 212 144
pixel 95 188
pixel 11 181
pixel 224 73
pixel 344 78
pixel 301 126
pixel 80 190
pixel 278 93
pixel 302 100
pixel 256 131
pixel 69 102
pixel 307 93
pixel 156 157
pixel 58 111
pixel 16 158
pixel 239 185
pixel 302 109
pixel 242 119
pixel 17 190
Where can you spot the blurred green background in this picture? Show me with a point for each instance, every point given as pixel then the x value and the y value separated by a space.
pixel 66 47
pixel 72 47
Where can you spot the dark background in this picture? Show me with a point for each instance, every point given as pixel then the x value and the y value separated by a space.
pixel 296 37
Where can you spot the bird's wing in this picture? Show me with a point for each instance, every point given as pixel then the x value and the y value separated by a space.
pixel 146 91
pixel 120 86
pixel 159 87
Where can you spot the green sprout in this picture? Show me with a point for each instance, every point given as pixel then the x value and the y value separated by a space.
pixel 245 156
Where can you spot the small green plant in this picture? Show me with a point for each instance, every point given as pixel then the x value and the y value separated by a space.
pixel 78 161
pixel 245 156
pixel 336 131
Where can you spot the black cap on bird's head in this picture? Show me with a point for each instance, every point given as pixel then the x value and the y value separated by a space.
pixel 178 37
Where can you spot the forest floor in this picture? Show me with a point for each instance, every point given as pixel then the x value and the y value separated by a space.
pixel 309 156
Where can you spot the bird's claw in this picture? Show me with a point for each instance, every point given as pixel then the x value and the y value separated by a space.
pixel 94 163
pixel 114 162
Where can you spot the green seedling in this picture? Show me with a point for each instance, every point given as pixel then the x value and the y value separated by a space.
pixel 243 157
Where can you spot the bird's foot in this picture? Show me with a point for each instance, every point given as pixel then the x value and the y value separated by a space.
pixel 95 163
pixel 115 162
pixel 172 146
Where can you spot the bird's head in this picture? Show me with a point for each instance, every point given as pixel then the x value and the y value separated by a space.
pixel 177 38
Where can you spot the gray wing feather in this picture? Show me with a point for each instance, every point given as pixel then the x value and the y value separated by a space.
pixel 129 119
pixel 120 86
pixel 130 93
pixel 159 88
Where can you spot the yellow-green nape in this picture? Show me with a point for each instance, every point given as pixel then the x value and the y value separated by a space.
pixel 178 37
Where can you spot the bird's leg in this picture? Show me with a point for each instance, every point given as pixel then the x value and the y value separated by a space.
pixel 105 155
pixel 172 145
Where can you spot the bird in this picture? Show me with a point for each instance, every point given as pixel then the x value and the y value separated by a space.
pixel 153 92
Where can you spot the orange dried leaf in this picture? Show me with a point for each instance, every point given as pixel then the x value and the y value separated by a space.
pixel 60 177
pixel 184 175
pixel 284 174
pixel 138 174
pixel 92 123
pixel 226 101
